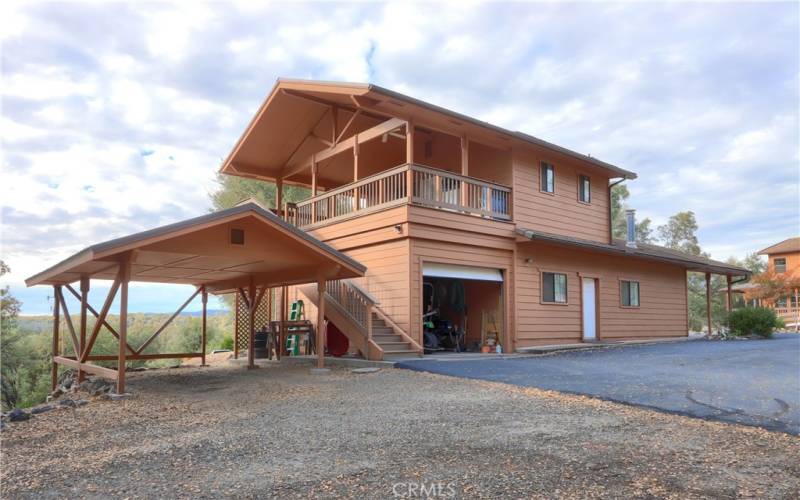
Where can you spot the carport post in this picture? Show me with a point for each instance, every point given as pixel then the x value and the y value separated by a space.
pixel 321 323
pixel 125 277
pixel 84 308
pixel 203 331
pixel 56 324
pixel 708 301
pixel 251 325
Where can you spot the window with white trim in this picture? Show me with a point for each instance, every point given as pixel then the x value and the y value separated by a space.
pixel 548 178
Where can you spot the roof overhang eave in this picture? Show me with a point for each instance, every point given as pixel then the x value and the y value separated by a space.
pixel 635 253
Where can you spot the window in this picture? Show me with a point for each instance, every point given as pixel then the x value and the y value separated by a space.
pixel 548 180
pixel 630 293
pixel 554 288
pixel 585 189
pixel 237 236
pixel 781 302
pixel 780 265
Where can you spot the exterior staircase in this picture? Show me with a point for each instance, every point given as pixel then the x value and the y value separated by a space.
pixel 359 316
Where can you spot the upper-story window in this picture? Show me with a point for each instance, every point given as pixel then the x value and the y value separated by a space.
pixel 548 178
pixel 584 189
pixel 780 265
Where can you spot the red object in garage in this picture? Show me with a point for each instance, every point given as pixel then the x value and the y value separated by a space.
pixel 337 342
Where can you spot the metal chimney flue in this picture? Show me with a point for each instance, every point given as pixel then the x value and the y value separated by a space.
pixel 630 215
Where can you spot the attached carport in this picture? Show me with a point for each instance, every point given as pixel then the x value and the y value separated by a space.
pixel 245 250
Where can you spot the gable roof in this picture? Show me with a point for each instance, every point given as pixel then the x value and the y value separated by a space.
pixel 642 251
pixel 188 261
pixel 271 138
pixel 785 246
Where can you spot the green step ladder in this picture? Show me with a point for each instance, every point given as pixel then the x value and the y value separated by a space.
pixel 296 313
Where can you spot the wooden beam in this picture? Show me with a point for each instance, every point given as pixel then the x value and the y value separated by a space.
pixel 284 314
pixel 68 321
pixel 347 125
pixel 279 199
pixel 365 136
pixel 321 324
pixel 708 301
pixel 244 298
pixel 125 277
pixel 112 292
pixel 97 316
pixel 410 134
pixel 203 326
pixel 251 362
pixel 88 367
pixel 168 321
pixel 728 303
pixel 334 123
pixel 134 357
pixel 85 284
pixel 56 324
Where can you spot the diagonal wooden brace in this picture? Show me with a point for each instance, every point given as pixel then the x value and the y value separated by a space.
pixel 97 315
pixel 167 323
pixel 101 318
pixel 68 321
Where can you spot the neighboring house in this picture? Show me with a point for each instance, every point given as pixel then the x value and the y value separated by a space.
pixel 502 233
pixel 783 261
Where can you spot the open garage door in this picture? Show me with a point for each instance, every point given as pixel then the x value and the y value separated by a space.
pixel 436 270
pixel 462 308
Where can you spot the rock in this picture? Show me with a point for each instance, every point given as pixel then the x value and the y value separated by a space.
pixel 137 369
pixel 42 409
pixel 81 402
pixel 369 369
pixel 18 415
pixel 56 392
pixel 67 402
pixel 113 396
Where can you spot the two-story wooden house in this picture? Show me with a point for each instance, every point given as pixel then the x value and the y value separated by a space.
pixel 499 233
pixel 783 261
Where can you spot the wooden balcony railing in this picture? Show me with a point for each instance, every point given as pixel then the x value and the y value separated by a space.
pixel 429 187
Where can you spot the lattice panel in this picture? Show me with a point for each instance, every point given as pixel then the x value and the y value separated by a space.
pixel 266 312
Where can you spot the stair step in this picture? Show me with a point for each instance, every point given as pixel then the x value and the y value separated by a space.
pixel 381 339
pixel 382 330
pixel 394 346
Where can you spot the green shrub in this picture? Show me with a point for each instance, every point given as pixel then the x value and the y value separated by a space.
pixel 754 321
pixel 227 342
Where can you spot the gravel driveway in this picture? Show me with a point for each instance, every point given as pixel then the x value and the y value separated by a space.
pixel 753 382
pixel 283 432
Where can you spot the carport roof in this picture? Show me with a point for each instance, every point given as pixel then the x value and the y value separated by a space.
pixel 201 251
pixel 642 250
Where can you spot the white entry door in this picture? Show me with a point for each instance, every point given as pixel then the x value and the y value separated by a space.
pixel 589 309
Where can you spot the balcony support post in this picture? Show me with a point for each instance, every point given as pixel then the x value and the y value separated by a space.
pixel 313 188
pixel 463 188
pixel 410 160
pixel 355 172
pixel 279 198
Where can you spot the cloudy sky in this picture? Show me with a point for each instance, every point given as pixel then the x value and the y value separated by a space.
pixel 115 117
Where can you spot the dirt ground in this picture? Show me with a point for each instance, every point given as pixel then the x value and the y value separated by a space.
pixel 284 432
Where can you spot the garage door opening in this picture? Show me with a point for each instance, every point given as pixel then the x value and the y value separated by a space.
pixel 462 309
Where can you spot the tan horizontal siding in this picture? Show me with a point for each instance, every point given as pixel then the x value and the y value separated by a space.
pixel 662 312
pixel 561 212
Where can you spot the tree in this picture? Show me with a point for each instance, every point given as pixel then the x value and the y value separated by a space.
pixel 234 189
pixel 9 345
pixel 753 263
pixel 619 224
pixel 679 233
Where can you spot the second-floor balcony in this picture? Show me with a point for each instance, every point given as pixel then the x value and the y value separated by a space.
pixel 405 184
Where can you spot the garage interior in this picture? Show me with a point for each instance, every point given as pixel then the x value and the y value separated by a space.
pixel 462 309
